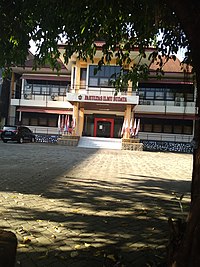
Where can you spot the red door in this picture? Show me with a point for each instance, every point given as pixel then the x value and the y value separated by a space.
pixel 103 127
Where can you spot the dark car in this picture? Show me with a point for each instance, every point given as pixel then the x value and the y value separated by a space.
pixel 19 134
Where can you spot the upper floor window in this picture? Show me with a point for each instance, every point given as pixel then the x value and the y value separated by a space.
pixel 44 87
pixel 103 77
pixel 168 92
pixel 83 74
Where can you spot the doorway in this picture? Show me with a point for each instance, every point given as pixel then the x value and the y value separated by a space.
pixel 103 127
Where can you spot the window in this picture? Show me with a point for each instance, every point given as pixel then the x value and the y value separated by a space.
pixel 141 94
pixel 34 121
pixel 62 91
pixel 179 95
pixel 28 89
pixel 36 89
pixel 104 76
pixel 169 96
pixel 187 129
pixel 45 90
pixel 149 95
pixel 39 119
pixel 52 122
pixel 83 74
pixel 104 82
pixel 93 82
pixel 157 128
pixel 55 90
pixel 147 127
pixel 167 128
pixel 42 121
pixel 177 129
pixel 189 97
pixel 159 95
pixel 45 87
pixel 25 121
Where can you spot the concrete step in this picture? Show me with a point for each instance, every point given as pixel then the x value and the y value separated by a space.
pixel 100 142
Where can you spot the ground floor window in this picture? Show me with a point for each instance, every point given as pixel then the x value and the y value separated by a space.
pixel 167 126
pixel 39 119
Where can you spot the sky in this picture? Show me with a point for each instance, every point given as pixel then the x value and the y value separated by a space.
pixel 180 54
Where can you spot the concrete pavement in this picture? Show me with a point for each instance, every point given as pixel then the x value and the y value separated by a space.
pixel 79 207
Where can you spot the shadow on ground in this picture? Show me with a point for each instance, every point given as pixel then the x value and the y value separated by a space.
pixel 65 217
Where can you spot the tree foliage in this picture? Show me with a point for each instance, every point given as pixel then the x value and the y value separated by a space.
pixel 123 25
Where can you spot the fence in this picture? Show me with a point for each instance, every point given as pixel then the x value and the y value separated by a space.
pixel 166 146
pixel 165 137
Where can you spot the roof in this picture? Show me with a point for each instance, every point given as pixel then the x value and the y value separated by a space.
pixel 171 65
pixel 100 44
pixel 28 67
pixel 29 63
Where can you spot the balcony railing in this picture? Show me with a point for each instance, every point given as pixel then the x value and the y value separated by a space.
pixel 155 102
pixel 58 93
pixel 165 137
pixel 45 91
pixel 100 90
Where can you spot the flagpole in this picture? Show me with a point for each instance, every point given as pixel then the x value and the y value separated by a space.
pixel 137 128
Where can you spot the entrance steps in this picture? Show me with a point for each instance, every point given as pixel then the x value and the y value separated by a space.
pixel 100 142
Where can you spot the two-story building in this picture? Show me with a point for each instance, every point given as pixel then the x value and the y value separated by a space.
pixel 43 99
pixel 38 98
pixel 167 106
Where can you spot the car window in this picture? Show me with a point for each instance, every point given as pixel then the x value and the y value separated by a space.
pixel 9 128
pixel 26 130
pixel 22 129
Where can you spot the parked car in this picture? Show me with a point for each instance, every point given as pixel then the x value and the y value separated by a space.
pixel 19 134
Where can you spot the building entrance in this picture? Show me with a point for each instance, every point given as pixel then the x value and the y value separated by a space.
pixel 103 127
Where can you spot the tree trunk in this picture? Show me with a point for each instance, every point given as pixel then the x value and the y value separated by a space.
pixel 187 254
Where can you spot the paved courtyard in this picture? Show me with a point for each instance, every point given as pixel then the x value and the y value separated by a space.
pixel 78 207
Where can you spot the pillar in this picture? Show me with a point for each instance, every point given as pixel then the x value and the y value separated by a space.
pixel 76 117
pixel 81 121
pixel 129 91
pixel 11 111
pixel 77 77
pixel 127 118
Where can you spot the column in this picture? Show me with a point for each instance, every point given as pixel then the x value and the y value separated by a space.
pixel 127 118
pixel 11 109
pixel 77 78
pixel 76 117
pixel 81 121
pixel 129 91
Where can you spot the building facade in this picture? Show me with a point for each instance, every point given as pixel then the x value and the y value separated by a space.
pixel 38 98
pixel 84 97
